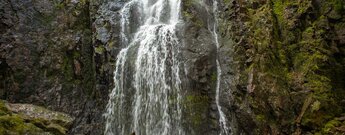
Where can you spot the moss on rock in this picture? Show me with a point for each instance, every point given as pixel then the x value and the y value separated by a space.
pixel 293 62
pixel 196 106
pixel 20 119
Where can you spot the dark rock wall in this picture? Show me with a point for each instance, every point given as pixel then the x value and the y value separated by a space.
pixel 288 63
pixel 199 58
pixel 46 58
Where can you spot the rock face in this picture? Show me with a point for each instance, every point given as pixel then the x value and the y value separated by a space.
pixel 288 65
pixel 46 58
pixel 200 53
pixel 282 62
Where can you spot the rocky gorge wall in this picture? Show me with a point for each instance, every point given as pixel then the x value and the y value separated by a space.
pixel 282 62
pixel 46 59
pixel 288 65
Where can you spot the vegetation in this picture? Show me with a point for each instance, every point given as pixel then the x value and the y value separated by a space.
pixel 293 52
pixel 18 123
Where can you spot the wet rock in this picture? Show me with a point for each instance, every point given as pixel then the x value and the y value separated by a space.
pixel 264 87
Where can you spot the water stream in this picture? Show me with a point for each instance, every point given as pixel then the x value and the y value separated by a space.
pixel 224 129
pixel 147 97
pixel 154 83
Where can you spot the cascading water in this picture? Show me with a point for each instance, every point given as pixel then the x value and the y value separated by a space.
pixel 222 117
pixel 147 101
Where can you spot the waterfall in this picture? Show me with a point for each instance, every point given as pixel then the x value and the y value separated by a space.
pixel 147 100
pixel 224 129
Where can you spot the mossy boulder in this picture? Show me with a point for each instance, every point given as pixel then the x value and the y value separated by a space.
pixel 17 119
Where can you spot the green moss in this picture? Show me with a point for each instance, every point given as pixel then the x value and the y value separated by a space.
pixel 11 123
pixel 260 118
pixel 292 51
pixel 189 3
pixel 312 62
pixel 316 106
pixel 214 77
pixel 226 1
pixel 53 126
pixel 56 129
pixel 197 22
pixel 196 106
pixel 338 5
pixel 329 126
pixel 278 9
pixel 15 124
pixel 191 16
pixel 99 49
pixel 281 7
pixel 3 109
pixel 39 122
pixel 59 5
pixel 76 54
pixel 303 6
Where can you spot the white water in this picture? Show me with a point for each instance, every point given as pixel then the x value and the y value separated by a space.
pixel 222 117
pixel 148 101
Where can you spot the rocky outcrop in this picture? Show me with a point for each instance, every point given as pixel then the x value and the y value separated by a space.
pixel 288 61
pixel 46 58
pixel 29 119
